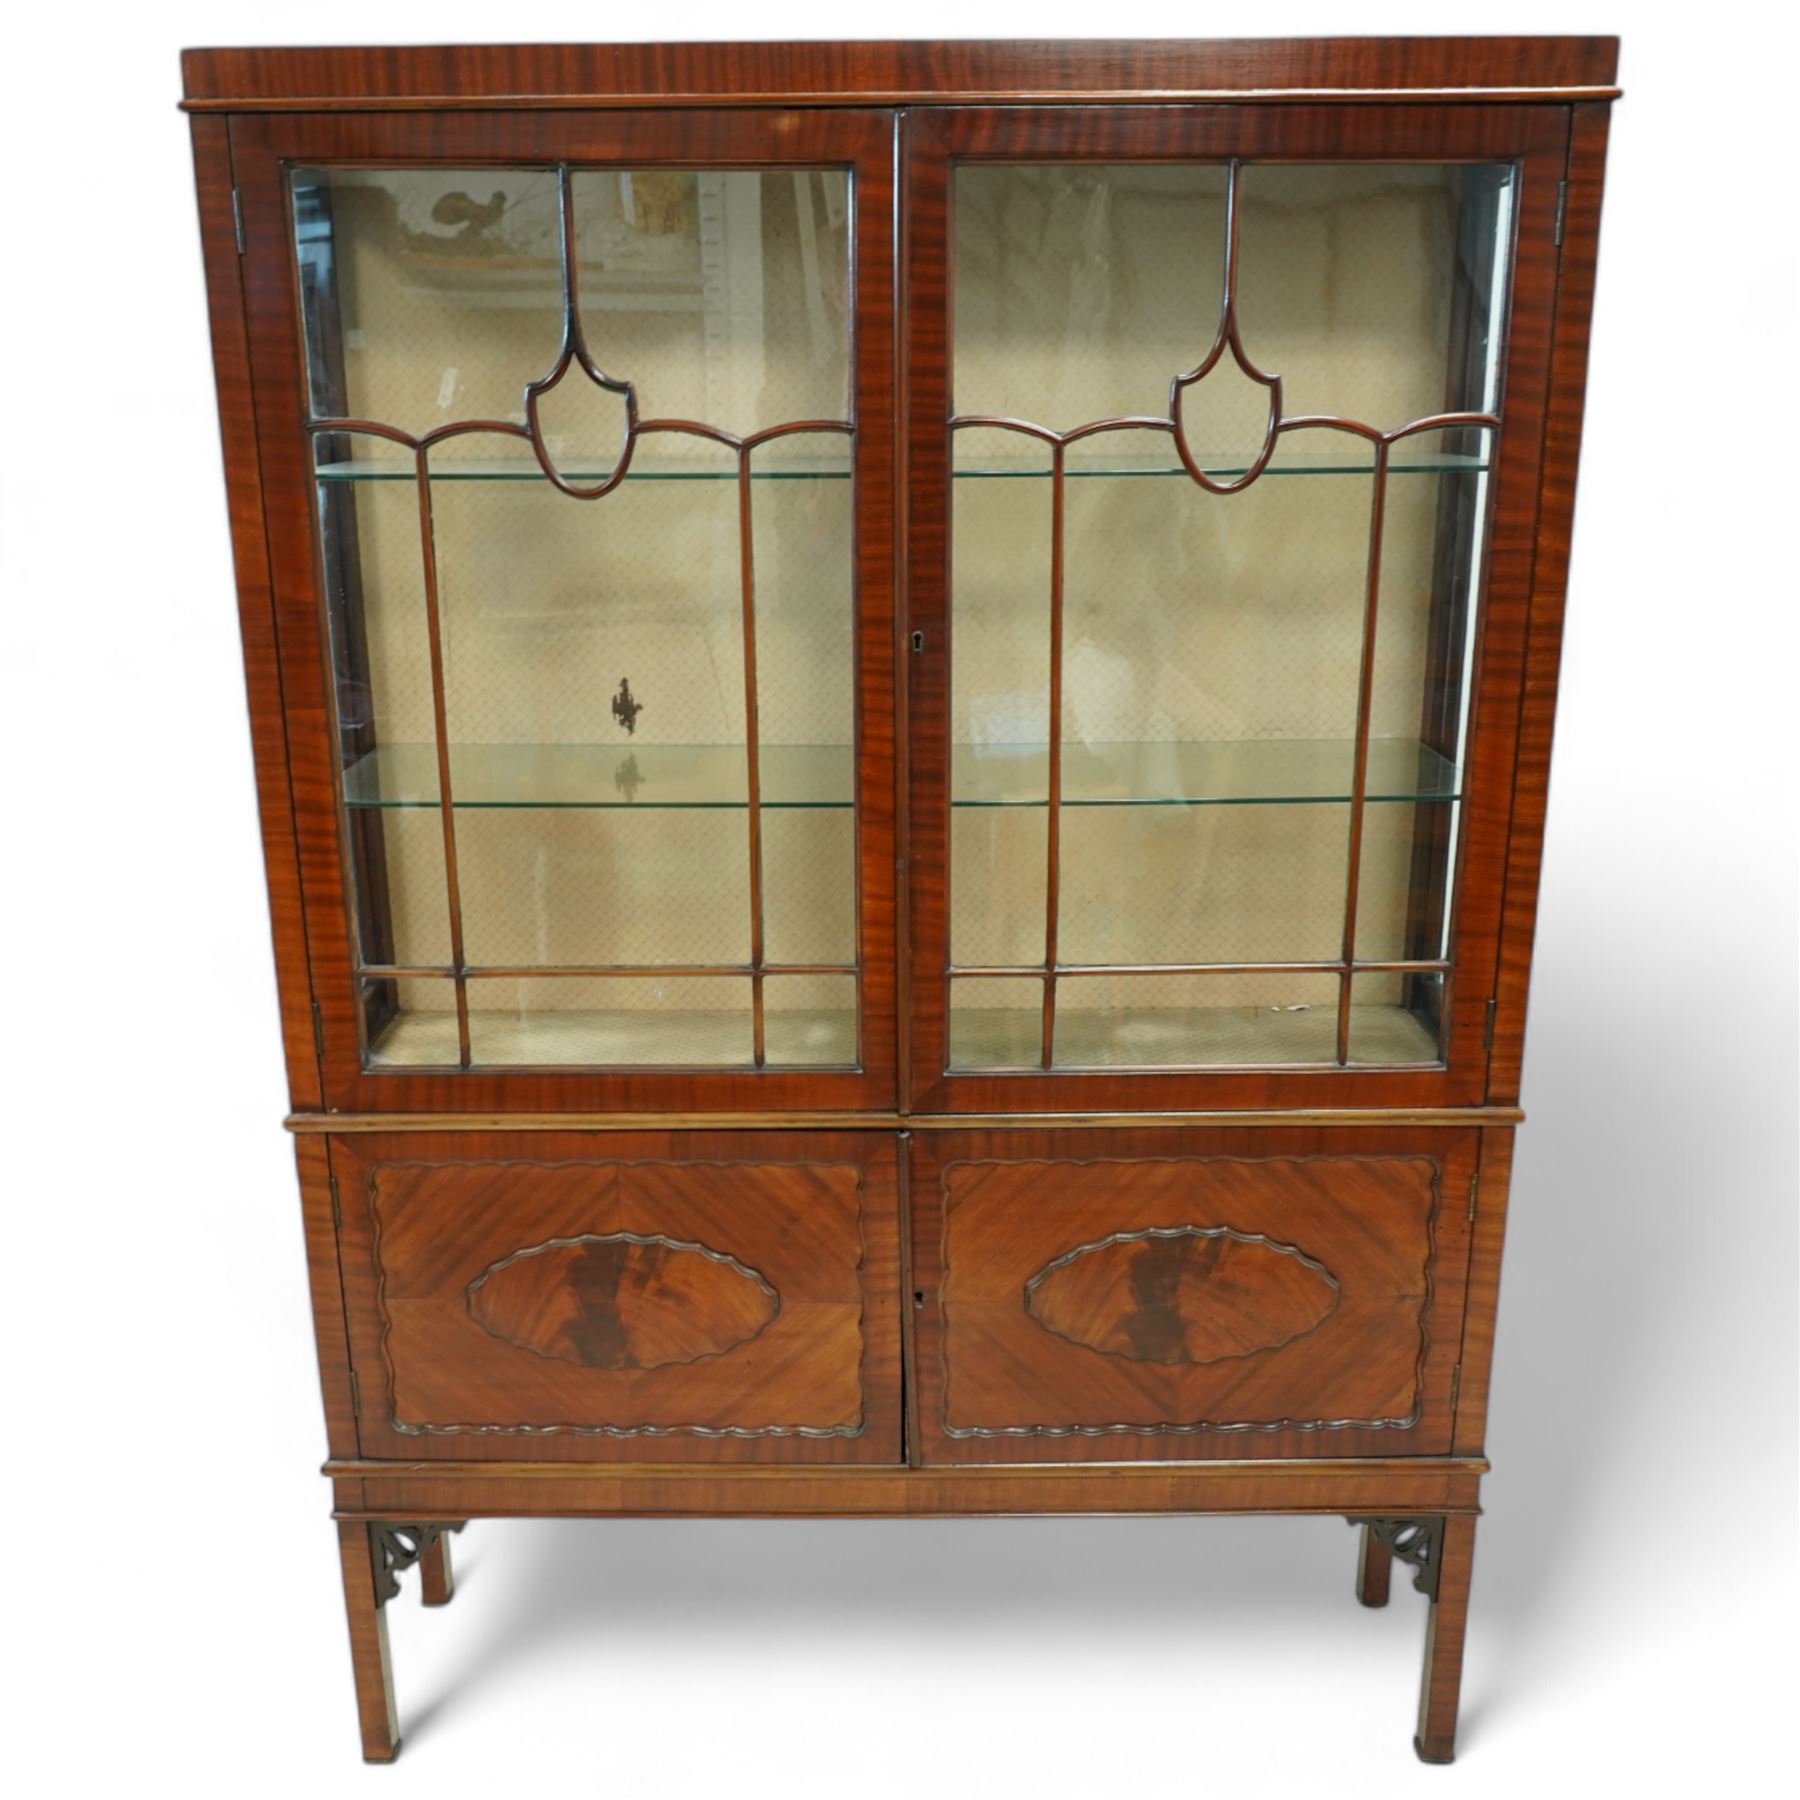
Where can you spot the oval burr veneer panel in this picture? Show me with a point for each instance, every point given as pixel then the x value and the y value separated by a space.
pixel 622 1301
pixel 1181 1294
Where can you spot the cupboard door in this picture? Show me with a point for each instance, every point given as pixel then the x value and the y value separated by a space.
pixel 1123 1296
pixel 1223 469
pixel 645 1298
pixel 579 441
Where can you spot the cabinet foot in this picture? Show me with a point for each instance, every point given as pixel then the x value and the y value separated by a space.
pixel 1374 1567
pixel 364 1572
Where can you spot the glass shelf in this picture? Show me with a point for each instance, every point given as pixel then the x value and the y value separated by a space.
pixel 603 775
pixel 1358 459
pixel 722 467
pixel 651 776
pixel 1253 772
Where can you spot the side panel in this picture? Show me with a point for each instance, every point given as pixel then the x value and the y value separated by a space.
pixel 1562 444
pixel 256 615
pixel 645 1298
pixel 1134 1295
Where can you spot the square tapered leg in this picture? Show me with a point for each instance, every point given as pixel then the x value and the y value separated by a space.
pixel 369 1643
pixel 437 1579
pixel 1442 1686
pixel 1374 1568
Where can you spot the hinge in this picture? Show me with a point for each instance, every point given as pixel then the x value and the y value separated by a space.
pixel 318 1032
pixel 337 1218
pixel 1562 208
pixel 237 220
pixel 355 1397
pixel 1487 1025
pixel 1474 1189
pixel 1455 1386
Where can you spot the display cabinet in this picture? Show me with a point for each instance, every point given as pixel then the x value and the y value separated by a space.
pixel 901 698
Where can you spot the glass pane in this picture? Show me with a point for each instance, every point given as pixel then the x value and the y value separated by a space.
pixel 997 886
pixel 1209 884
pixel 558 888
pixel 428 295
pixel 410 1023
pixel 1365 284
pixel 809 890
pixel 1082 289
pixel 620 1021
pixel 996 1024
pixel 1396 1018
pixel 723 295
pixel 1000 585
pixel 1164 641
pixel 810 1020
pixel 632 715
pixel 1399 911
pixel 399 858
pixel 1176 1021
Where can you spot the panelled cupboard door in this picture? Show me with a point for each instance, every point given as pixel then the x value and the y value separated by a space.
pixel 1123 1296
pixel 576 439
pixel 642 1297
pixel 1224 434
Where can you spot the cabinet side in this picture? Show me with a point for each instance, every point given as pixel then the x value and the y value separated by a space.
pixel 256 618
pixel 1562 446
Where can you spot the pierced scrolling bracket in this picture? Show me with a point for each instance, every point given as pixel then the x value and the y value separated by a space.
pixel 397 1546
pixel 1417 1542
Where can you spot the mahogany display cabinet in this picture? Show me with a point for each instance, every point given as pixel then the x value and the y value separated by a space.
pixel 901 699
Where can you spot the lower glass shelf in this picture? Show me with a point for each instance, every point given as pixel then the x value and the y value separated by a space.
pixel 983 1038
pixel 620 1037
pixel 603 775
pixel 1284 771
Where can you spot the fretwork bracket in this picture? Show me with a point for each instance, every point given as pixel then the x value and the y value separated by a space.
pixel 1418 1542
pixel 397 1546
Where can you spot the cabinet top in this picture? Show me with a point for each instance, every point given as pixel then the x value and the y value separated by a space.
pixel 896 73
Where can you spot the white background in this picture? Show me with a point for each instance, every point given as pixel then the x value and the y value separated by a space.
pixel 172 1593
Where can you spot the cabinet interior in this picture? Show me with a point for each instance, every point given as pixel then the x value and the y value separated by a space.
pixel 619 879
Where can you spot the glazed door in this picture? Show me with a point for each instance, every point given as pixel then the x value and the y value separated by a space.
pixel 1223 456
pixel 576 435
